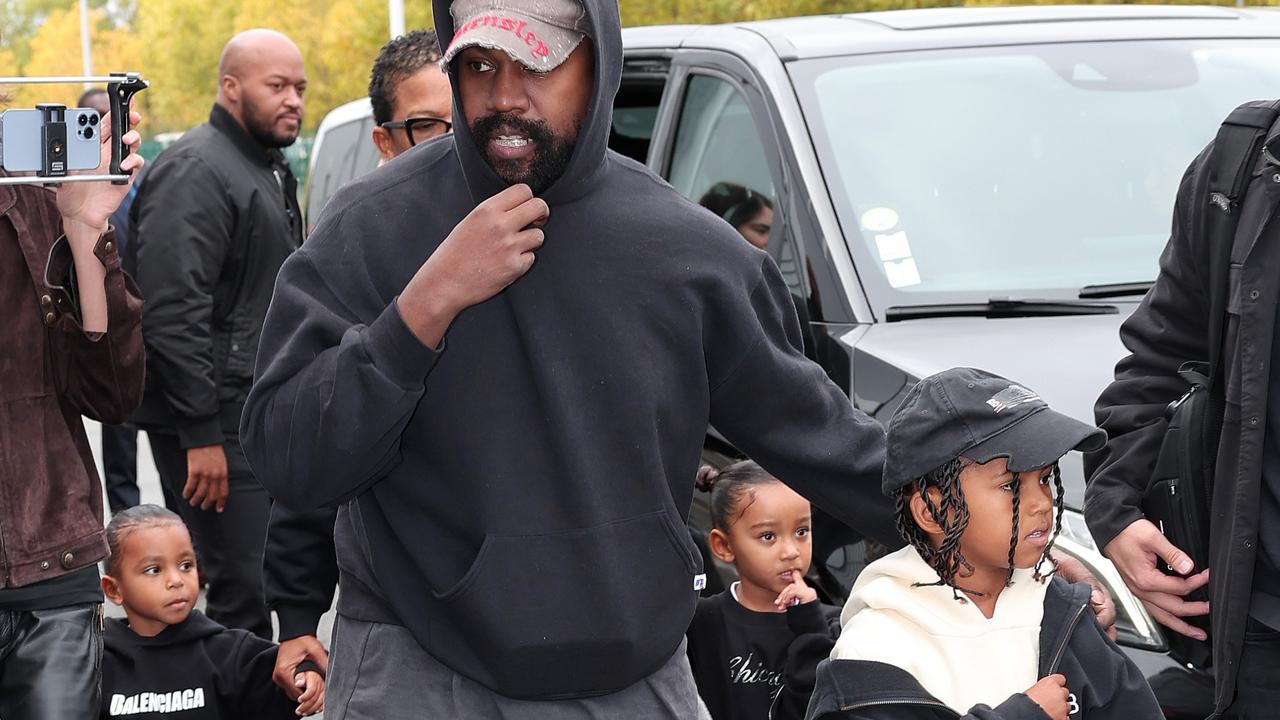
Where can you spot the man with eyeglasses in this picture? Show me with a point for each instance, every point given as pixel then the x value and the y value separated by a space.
pixel 214 222
pixel 411 97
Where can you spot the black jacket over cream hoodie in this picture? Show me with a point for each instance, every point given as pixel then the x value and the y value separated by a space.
pixel 914 653
pixel 520 496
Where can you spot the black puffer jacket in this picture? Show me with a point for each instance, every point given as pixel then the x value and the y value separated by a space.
pixel 216 219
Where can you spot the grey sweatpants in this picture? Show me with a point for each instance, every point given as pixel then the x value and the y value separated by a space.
pixel 378 671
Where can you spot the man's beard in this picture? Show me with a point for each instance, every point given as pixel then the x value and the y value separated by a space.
pixel 550 157
pixel 261 128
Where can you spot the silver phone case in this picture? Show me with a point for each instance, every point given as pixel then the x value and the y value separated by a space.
pixel 20 139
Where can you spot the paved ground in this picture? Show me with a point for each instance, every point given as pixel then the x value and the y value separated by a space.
pixel 149 485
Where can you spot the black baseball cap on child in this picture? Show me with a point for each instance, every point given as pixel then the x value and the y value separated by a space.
pixel 981 416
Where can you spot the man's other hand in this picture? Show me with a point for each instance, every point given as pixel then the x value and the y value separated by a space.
pixel 292 652
pixel 1136 552
pixel 206 478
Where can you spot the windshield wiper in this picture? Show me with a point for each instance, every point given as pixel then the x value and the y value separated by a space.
pixel 998 308
pixel 1115 290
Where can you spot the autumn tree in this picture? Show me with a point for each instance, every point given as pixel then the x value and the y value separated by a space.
pixel 55 50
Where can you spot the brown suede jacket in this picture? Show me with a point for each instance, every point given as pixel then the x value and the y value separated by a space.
pixel 51 373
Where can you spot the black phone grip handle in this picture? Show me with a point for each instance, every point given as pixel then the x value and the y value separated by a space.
pixel 120 93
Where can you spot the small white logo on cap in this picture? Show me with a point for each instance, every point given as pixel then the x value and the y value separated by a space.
pixel 1011 397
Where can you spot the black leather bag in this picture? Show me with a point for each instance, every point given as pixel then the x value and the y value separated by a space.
pixel 1180 492
pixel 1178 498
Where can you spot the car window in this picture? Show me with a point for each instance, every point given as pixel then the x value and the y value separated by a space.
pixel 635 112
pixel 332 167
pixel 1024 171
pixel 717 141
pixel 720 161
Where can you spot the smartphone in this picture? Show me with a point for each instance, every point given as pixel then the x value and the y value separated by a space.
pixel 23 149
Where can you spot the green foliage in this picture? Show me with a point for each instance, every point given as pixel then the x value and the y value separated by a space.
pixel 21 19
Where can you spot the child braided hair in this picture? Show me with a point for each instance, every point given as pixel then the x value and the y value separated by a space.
pixel 952 515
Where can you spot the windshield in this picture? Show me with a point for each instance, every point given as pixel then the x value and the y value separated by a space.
pixel 1028 171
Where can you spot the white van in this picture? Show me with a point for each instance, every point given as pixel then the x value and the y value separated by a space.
pixel 342 151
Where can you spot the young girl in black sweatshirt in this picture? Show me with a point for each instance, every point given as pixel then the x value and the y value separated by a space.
pixel 168 660
pixel 739 639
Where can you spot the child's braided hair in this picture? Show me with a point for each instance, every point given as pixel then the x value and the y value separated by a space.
pixel 1058 509
pixel 952 515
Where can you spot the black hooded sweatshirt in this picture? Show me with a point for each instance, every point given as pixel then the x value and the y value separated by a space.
pixel 520 496
pixel 194 670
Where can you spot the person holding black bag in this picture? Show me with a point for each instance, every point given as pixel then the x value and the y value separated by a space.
pixel 1194 431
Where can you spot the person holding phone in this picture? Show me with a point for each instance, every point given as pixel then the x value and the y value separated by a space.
pixel 73 347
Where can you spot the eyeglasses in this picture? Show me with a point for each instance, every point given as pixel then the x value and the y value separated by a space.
pixel 420 129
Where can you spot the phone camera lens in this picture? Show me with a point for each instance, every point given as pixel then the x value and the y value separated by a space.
pixel 88 133
pixel 93 119
pixel 84 120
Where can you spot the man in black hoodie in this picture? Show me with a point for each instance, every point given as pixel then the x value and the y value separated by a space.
pixel 514 443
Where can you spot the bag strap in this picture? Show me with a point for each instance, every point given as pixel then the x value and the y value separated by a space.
pixel 1236 150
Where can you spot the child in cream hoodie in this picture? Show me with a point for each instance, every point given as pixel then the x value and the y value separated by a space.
pixel 968 620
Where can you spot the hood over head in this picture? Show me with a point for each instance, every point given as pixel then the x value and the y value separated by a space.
pixel 603 25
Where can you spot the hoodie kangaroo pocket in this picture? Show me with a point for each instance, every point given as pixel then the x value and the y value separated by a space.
pixel 568 614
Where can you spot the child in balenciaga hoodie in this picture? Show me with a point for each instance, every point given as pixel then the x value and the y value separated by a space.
pixel 968 621
pixel 168 660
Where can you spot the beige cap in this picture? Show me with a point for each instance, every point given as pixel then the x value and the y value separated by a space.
pixel 541 34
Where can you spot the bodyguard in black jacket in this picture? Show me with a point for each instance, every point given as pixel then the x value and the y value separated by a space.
pixel 217 218
pixel 1169 328
pixel 1104 684
pixel 215 221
